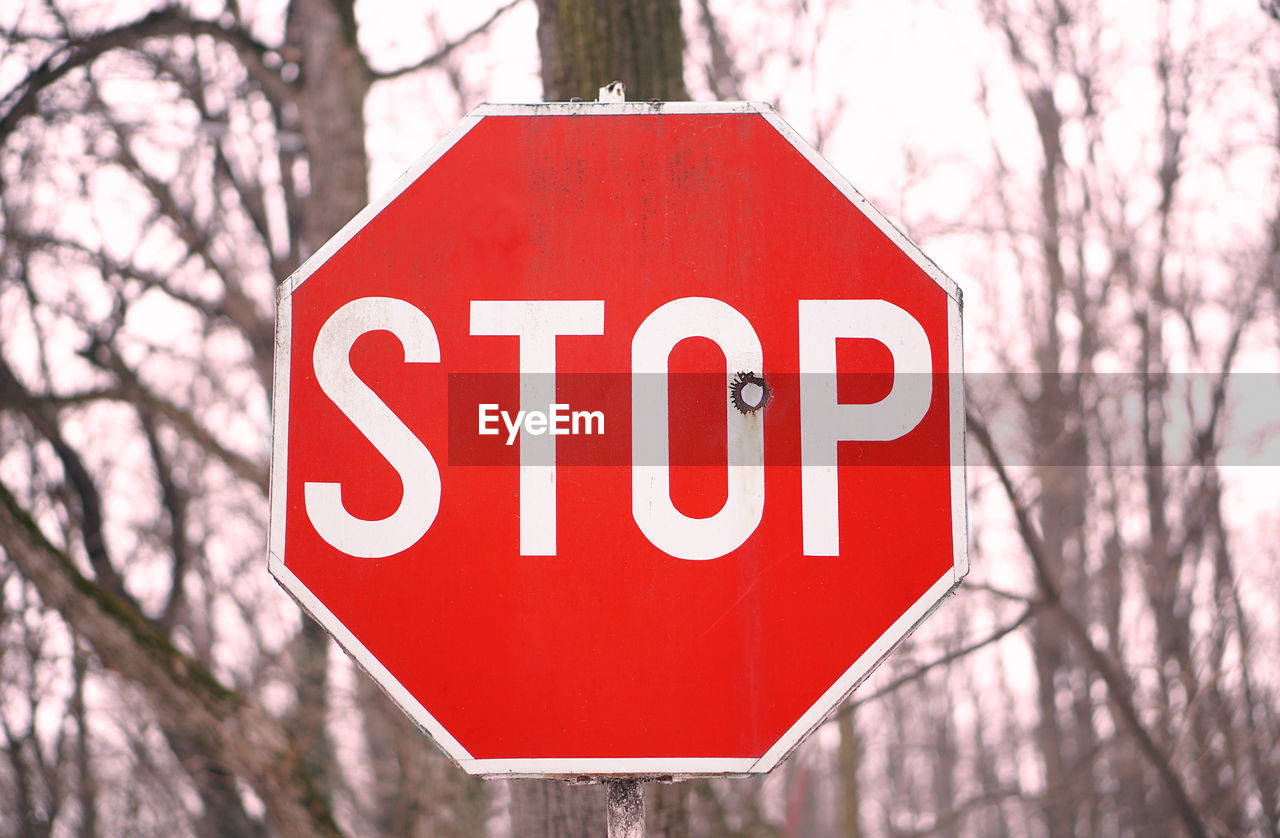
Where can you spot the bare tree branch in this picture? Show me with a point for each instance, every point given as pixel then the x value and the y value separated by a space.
pixel 449 48
pixel 90 518
pixel 232 730
pixel 79 52
pixel 1119 689
pixel 722 77
pixel 942 661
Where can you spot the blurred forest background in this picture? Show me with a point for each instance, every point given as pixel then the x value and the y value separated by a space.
pixel 1100 176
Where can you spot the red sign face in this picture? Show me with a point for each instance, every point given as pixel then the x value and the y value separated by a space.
pixel 619 439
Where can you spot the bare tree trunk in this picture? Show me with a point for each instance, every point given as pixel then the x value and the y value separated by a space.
pixel 418 792
pixel 552 809
pixel 586 44
pixel 848 757
pixel 668 805
pixel 334 84
pixel 86 782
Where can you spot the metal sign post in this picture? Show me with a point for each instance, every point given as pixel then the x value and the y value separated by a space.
pixel 625 801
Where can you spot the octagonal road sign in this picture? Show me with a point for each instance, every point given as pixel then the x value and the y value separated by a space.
pixel 618 439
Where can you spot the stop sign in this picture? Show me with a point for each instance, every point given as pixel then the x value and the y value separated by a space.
pixel 618 439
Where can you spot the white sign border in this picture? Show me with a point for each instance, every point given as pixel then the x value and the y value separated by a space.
pixel 832 698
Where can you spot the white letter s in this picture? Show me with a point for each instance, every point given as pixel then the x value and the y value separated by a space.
pixel 371 416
